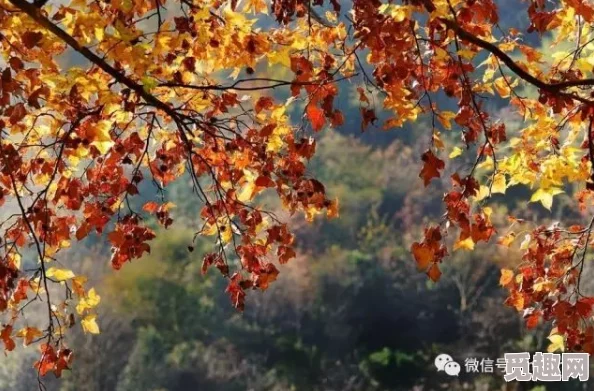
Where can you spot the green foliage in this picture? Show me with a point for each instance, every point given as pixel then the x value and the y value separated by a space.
pixel 351 313
pixel 145 369
pixel 354 311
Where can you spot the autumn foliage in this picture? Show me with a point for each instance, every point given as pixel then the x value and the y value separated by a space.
pixel 169 89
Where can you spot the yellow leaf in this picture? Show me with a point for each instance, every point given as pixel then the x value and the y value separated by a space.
pixel 508 46
pixel 29 334
pixel 256 6
pixel 103 146
pixel 445 118
pixel 466 54
pixel 557 343
pixel 331 16
pixel 90 301
pixel 281 56
pixel 507 240
pixel 483 193
pixel 401 12
pixel 545 196
pixel 507 276
pixel 275 143
pixel 437 141
pixel 59 274
pixel 36 286
pixel 543 285
pixel 99 33
pixel 499 184
pixel 502 88
pixel 226 233
pixel 526 242
pixel 466 244
pixel 487 211
pixel 457 151
pixel 148 83
pixel 247 192
pixel 486 164
pixel 102 138
pixel 440 53
pixel 16 261
pixel 488 75
pixel 89 324
pixel 93 298
pixel 77 285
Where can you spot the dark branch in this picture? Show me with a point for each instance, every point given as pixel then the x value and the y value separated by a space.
pixel 514 67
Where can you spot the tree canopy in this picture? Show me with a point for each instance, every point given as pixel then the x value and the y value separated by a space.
pixel 106 102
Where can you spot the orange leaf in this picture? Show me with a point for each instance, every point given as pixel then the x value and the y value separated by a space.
pixel 423 255
pixel 507 276
pixel 264 103
pixel 150 207
pixel 316 117
pixel 5 336
pixel 434 273
pixel 432 166
pixel 31 38
pixel 532 320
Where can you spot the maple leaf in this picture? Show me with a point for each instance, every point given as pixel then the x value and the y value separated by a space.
pixel 499 184
pixel 285 253
pixel 17 113
pixel 557 343
pixel 507 276
pixel 466 244
pixel 455 153
pixel 532 319
pixel 264 103
pixel 431 167
pixel 155 109
pixel 545 196
pixel 5 336
pixel 90 301
pixel 507 239
pixel 424 255
pixel 31 38
pixel 29 334
pixel 89 324
pixel 333 209
pixel 434 273
pixel 369 117
pixel 59 274
pixel 316 117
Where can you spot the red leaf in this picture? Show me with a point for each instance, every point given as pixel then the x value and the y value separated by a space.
pixel 584 306
pixel 532 320
pixel 434 273
pixel 369 117
pixel 264 181
pixel 423 254
pixel 5 336
pixel 83 230
pixel 337 118
pixel 316 117
pixel 285 253
pixel 264 103
pixel 431 167
pixel 16 63
pixel 266 276
pixel 17 113
pixel 31 39
pixel 150 207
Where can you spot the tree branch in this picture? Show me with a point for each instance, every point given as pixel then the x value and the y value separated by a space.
pixel 275 83
pixel 36 15
pixel 514 67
